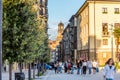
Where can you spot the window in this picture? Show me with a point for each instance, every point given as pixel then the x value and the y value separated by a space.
pixel 105 41
pixel 104 10
pixel 117 25
pixel 116 10
pixel 104 27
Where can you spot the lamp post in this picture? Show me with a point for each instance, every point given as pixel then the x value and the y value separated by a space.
pixel 111 29
pixel 0 39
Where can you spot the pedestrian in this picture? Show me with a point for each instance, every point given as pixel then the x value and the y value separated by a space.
pixel 68 66
pixel 81 64
pixel 60 67
pixel 55 66
pixel 109 70
pixel 65 67
pixel 97 66
pixel 4 67
pixel 94 64
pixel 72 68
pixel 89 63
pixel 84 67
pixel 78 66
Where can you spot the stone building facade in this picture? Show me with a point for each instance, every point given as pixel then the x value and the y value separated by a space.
pixel 96 20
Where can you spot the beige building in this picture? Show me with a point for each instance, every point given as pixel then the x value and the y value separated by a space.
pixel 96 20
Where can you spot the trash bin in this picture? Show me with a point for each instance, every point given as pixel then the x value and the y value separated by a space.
pixel 19 76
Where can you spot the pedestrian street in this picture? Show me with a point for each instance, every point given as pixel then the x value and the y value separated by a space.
pixel 64 76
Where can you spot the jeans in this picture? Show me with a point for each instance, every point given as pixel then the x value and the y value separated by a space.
pixel 60 69
pixel 109 79
pixel 90 70
pixel 72 70
pixel 84 69
pixel 97 69
pixel 78 70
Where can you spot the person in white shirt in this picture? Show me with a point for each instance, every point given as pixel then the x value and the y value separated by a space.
pixel 60 67
pixel 97 66
pixel 89 63
pixel 109 70
pixel 94 64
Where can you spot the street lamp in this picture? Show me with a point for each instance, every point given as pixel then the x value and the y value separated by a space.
pixel 0 39
pixel 111 29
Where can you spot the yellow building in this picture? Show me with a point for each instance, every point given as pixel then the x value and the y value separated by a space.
pixel 96 20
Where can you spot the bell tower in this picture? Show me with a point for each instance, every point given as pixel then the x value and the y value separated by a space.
pixel 60 28
pixel 60 31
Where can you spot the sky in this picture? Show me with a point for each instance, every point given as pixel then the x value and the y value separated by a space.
pixel 61 11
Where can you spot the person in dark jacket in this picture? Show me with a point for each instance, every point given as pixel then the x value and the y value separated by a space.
pixel 65 67
pixel 78 66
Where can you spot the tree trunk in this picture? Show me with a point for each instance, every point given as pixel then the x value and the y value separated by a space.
pixel 29 71
pixel 20 67
pixel 33 70
pixel 10 71
pixel 38 67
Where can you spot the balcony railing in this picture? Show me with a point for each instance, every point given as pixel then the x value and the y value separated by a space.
pixel 105 34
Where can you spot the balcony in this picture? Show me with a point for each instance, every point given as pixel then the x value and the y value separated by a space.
pixel 105 34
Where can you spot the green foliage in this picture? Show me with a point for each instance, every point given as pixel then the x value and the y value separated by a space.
pixel 116 32
pixel 24 36
pixel 117 64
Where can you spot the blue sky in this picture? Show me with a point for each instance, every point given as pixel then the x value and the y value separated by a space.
pixel 61 11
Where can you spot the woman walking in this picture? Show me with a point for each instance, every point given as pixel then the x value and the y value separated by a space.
pixel 89 63
pixel 109 70
pixel 94 64
pixel 65 67
pixel 78 67
pixel 84 67
pixel 68 66
pixel 55 66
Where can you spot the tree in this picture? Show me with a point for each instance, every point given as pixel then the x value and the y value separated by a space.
pixel 22 32
pixel 117 36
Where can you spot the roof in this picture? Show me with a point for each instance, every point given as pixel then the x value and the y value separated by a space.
pixel 86 2
pixel 103 0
